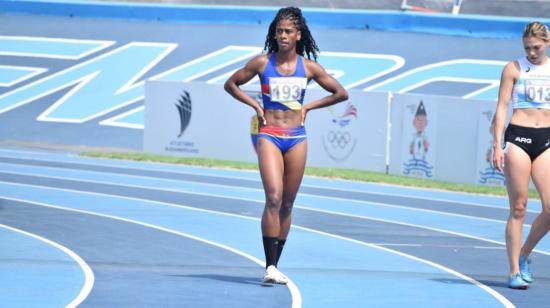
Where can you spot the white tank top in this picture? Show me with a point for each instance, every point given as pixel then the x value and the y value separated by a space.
pixel 532 89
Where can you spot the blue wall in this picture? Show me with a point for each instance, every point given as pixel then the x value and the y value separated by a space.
pixel 464 25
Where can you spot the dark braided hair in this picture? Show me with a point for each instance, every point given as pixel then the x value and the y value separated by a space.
pixel 306 46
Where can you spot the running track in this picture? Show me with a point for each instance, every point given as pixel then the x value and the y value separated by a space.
pixel 112 233
pixel 103 233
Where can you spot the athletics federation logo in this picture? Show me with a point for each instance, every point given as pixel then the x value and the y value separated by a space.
pixel 339 142
pixel 183 105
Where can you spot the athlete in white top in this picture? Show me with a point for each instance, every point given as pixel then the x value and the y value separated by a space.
pixel 526 83
pixel 532 89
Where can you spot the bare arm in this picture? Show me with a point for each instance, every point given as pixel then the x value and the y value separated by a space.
pixel 327 82
pixel 242 76
pixel 510 73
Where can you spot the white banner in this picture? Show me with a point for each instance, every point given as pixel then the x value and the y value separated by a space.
pixel 433 137
pixel 442 144
pixel 202 120
pixel 195 120
pixel 419 133
pixel 352 134
pixel 487 173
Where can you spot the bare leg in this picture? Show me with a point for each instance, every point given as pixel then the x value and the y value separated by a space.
pixel 271 169
pixel 541 178
pixel 517 170
pixel 295 161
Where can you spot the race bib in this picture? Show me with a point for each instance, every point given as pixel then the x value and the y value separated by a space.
pixel 537 91
pixel 286 89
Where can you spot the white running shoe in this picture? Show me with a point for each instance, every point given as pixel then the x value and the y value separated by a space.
pixel 273 275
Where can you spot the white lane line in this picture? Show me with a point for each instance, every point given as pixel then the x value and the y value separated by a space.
pixel 492 247
pixel 88 273
pixel 459 234
pixel 487 289
pixel 440 246
pixel 294 291
pixel 237 198
pixel 398 245
pixel 469 279
pixel 328 186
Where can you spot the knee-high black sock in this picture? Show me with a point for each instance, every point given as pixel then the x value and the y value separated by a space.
pixel 280 250
pixel 271 245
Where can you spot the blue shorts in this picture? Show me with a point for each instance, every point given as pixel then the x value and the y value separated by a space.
pixel 283 138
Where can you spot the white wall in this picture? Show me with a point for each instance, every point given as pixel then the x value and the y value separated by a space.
pixel 371 131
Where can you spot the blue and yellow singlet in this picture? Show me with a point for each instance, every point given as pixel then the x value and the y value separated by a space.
pixel 283 92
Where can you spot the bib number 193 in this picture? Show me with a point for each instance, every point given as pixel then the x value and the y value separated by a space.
pixel 286 89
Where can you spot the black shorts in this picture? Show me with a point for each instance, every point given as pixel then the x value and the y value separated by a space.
pixel 534 141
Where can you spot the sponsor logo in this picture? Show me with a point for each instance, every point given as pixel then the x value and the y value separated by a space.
pixel 492 176
pixel 179 145
pixel 339 141
pixel 418 167
pixel 183 105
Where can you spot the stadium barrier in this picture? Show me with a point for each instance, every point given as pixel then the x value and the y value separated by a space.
pixel 427 136
pixel 411 21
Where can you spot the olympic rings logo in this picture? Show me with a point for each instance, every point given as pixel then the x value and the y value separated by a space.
pixel 338 139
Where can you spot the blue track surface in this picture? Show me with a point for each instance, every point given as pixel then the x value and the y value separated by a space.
pixel 90 232
pixel 193 233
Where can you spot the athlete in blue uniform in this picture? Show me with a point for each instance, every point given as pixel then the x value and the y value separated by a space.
pixel 526 83
pixel 284 74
